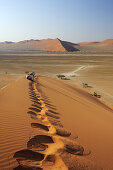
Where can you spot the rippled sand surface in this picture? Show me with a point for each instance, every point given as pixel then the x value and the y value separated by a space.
pixel 18 102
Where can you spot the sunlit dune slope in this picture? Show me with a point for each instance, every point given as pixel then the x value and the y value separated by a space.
pixel 46 44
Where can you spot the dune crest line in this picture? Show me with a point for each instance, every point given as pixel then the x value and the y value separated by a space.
pixel 42 150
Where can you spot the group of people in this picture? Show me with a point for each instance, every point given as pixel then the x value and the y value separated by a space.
pixel 30 76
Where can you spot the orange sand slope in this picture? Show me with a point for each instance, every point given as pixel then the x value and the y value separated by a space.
pixel 46 44
pixel 49 124
pixel 32 136
pixel 14 121
pixel 84 116
pixel 107 41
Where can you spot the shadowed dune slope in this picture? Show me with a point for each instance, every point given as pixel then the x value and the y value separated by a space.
pixel 69 46
pixel 85 116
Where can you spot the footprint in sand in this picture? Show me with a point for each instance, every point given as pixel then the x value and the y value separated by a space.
pixel 25 168
pixel 38 142
pixel 51 111
pixel 28 154
pixel 29 158
pixel 46 100
pixel 77 150
pixel 62 132
pixel 32 113
pixel 36 102
pixel 59 131
pixel 52 115
pixel 40 126
pixel 32 93
pixel 36 146
pixel 35 109
pixel 37 106
pixel 73 147
pixel 50 104
pixel 36 116
pixel 55 123
pixel 51 107
pixel 42 139
pixel 34 98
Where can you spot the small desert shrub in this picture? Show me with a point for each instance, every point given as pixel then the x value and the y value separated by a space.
pixel 60 76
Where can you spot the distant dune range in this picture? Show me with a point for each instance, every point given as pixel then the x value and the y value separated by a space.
pixel 57 45
pixel 108 42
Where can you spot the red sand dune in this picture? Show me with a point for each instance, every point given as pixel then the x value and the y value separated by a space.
pixel 46 44
pixel 52 45
pixel 88 43
pixel 107 41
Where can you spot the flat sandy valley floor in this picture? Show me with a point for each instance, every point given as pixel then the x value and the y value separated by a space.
pixel 94 69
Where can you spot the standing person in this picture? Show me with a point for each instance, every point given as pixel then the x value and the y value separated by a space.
pixel 28 77
pixel 32 76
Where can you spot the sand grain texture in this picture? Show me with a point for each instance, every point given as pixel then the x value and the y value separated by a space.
pixel 14 122
pixel 50 124
pixel 85 116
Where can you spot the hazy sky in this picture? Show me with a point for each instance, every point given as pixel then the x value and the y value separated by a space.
pixel 72 20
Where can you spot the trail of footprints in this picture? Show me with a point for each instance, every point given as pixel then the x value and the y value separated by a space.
pixel 46 150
